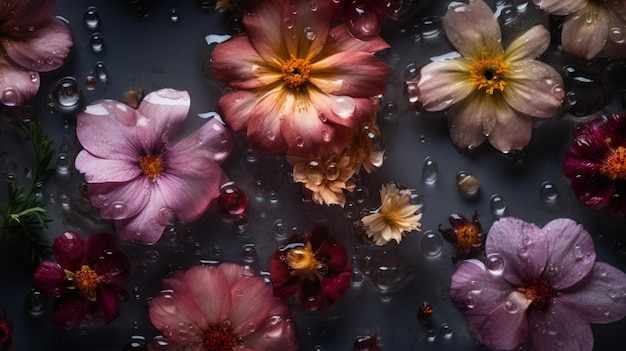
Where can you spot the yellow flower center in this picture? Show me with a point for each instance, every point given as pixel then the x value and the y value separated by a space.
pixel 219 338
pixel 85 280
pixel 151 165
pixel 489 73
pixel 303 263
pixel 467 235
pixel 614 165
pixel 296 72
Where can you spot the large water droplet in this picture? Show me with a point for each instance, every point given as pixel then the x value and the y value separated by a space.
pixel 495 264
pixel 429 26
pixel 430 334
pixel 343 106
pixel 67 92
pixel 166 216
pixel 92 17
pixel 309 33
pixel 468 184
pixel 498 205
pixel 548 191
pixel 174 15
pixel 430 171
pixel 362 21
pixel 389 110
pixel 432 244
pixel 97 42
pixel 446 331
pixel 101 71
pixel 9 97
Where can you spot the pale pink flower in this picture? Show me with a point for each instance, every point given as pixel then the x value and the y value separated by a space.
pixel 33 41
pixel 539 288
pixel 492 92
pixel 296 82
pixel 137 175
pixel 210 308
pixel 591 27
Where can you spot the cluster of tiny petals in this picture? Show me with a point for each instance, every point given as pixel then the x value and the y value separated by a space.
pixel 296 72
pixel 219 338
pixel 151 165
pixel 614 165
pixel 302 261
pixel 489 72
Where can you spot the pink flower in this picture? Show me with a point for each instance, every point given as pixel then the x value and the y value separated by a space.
pixel 591 27
pixel 137 176
pixel 595 163
pixel 297 83
pixel 33 41
pixel 84 279
pixel 539 288
pixel 492 92
pixel 221 308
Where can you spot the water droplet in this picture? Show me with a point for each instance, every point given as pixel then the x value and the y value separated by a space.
pixel 313 5
pixel 63 164
pixel 151 255
pixel 35 302
pixel 411 72
pixel 430 171
pixel 96 42
pixel 65 201
pixel 232 200
pixel 495 263
pixel 357 278
pixel 166 216
pixel 241 223
pixel 9 97
pixel 90 82
pixel 390 110
pixel 429 26
pixel 366 343
pixel 432 244
pixel 343 106
pixel 92 17
pixel 217 250
pixel 118 209
pixel 616 35
pixel 299 141
pixel 558 92
pixel 470 302
pixel 309 33
pixel 66 92
pixel 260 189
pixel 248 253
pixel 361 194
pixel 511 306
pixel 446 331
pixel 174 15
pixel 101 71
pixel 468 184
pixel 362 20
pixel 507 15
pixel 548 191
pixel 430 334
pixel 412 92
pixel 577 252
pixel 280 229
pixel 498 205
pixel 136 292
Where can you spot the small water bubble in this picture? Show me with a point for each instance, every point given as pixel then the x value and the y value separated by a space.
pixel 35 302
pixel 217 250
pixel 309 33
pixel 313 5
pixel 101 71
pixel 63 164
pixel 361 194
pixel 432 244
pixel 136 292
pixel 90 82
pixel 412 92
pixel 248 253
pixel 174 15
pixel 548 191
pixel 151 255
pixel 495 263
pixel 66 92
pixel 430 171
pixel 241 223
pixel 430 334
pixel 430 26
pixel 511 306
pixel 507 15
pixel 498 205
pixel 389 110
pixel 577 252
pixel 136 343
pixel 96 42
pixel 272 195
pixel 411 72
pixel 65 201
pixel 280 229
pixel 92 17
pixel 470 302
pixel 357 278
pixel 571 99
pixel 617 35
pixel 446 331
pixel 260 188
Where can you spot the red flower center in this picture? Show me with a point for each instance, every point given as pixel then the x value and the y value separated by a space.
pixel 219 338
pixel 467 235
pixel 614 165
pixel 539 292
pixel 303 263
pixel 296 72
pixel 85 280
pixel 151 165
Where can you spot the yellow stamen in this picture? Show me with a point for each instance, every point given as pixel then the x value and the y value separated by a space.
pixel 151 165
pixel 467 236
pixel 303 263
pixel 296 72
pixel 614 165
pixel 489 72
pixel 85 280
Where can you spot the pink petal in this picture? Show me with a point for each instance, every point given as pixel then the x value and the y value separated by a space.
pixel 468 38
pixel 234 272
pixel 107 305
pixel 248 71
pixel 570 251
pixel 102 170
pixel 528 46
pixel 208 287
pixel 23 14
pixel 121 200
pixel 601 297
pixel 444 83
pixel 49 278
pixel 276 333
pixel 174 282
pixel 212 140
pixel 506 327
pixel 18 84
pixel 583 38
pixel 236 106
pixel 512 130
pixel 43 49
pixel 98 244
pixel 341 40
pixel 148 224
pixel 251 300
pixel 164 111
pixel 311 25
pixel 522 246
pixel 68 250
pixel 352 73
pixel 264 122
pixel 534 88
pixel 70 311
pixel 560 327
pixel 171 309
pixel 342 110
pixel 465 121
pixel 560 7
pixel 263 22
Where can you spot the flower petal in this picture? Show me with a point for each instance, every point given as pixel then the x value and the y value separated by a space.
pixel 212 140
pixel 522 246
pixel 110 264
pixel 69 311
pixel 465 121
pixel 107 305
pixel 341 40
pixel 560 328
pixel 444 83
pixel 103 170
pixel 170 309
pixel 234 272
pixel 236 107
pixel 585 33
pixel 570 252
pixel 251 302
pixel 208 287
pixel 528 46
pixel 506 327
pixel 263 23
pixel 68 250
pixel 160 114
pixel 276 333
pixel 512 130
pixel 49 277
pixel 601 297
pixel 17 84
pixel 120 200
pixel 560 7
pixel 148 224
pixel 311 25
pixel 468 38
pixel 24 14
pixel 534 88
pixel 264 121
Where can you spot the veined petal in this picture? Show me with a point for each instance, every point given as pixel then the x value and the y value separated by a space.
pixel 560 7
pixel 342 110
pixel 70 311
pixel 460 24
pixel 148 224
pixel 264 121
pixel 236 106
pixel 107 305
pixel 512 130
pixel 502 329
pixel 209 289
pixel 251 302
pixel 305 26
pixel 534 88
pixel 444 83
pixel 465 121
pixel 585 33
pixel 529 45
pixel 102 170
pixel 43 49
pixel 233 272
pixel 212 140
pixel 49 278
pixel 24 14
pixel 353 73
pixel 341 40
pixel 171 308
pixel 248 70
pixel 120 200
pixel 264 23
pixel 69 250
pixel 17 84
pixel 560 327
pixel 160 114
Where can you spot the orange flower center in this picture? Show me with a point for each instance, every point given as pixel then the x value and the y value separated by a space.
pixel 296 72
pixel 151 165
pixel 303 263
pixel 85 280
pixel 614 165
pixel 219 338
pixel 467 235
pixel 539 292
pixel 489 73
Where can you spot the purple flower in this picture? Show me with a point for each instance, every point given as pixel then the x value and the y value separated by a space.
pixel 33 41
pixel 84 278
pixel 137 176
pixel 595 163
pixel 539 288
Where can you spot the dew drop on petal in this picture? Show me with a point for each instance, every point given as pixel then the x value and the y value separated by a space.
pixel 166 216
pixel 119 209
pixel 309 33
pixel 412 92
pixel 92 17
pixel 343 106
pixel 470 302
pixel 9 97
pixel 498 205
pixel 432 244
pixel 578 252
pixel 495 263
pixel 362 21
pixel 430 170
pixel 617 35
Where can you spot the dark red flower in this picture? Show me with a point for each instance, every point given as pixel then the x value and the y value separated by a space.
pixel 6 331
pixel 84 278
pixel 312 269
pixel 596 163
pixel 466 235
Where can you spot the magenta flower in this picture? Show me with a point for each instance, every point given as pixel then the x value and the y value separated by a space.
pixel 539 288
pixel 6 331
pixel 297 83
pixel 33 41
pixel 137 176
pixel 311 269
pixel 84 279
pixel 595 163
pixel 221 308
